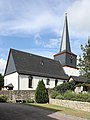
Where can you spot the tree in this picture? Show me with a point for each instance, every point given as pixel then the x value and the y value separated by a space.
pixel 41 94
pixel 62 88
pixel 1 80
pixel 84 61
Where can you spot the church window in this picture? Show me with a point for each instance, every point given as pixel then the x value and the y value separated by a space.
pixel 30 81
pixel 56 82
pixel 48 82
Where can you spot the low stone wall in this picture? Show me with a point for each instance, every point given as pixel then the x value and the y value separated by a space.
pixel 85 106
pixel 15 94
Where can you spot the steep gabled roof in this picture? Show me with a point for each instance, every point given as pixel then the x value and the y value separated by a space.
pixel 27 63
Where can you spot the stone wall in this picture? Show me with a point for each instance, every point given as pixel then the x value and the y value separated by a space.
pixel 85 106
pixel 15 94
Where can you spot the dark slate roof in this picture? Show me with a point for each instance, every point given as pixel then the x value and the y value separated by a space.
pixel 27 63
pixel 80 79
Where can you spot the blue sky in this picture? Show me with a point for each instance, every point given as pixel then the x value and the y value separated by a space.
pixel 36 26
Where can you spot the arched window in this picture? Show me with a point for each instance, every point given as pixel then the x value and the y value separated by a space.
pixel 30 82
pixel 48 82
pixel 56 82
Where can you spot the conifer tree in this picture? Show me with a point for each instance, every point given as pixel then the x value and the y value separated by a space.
pixel 41 94
pixel 84 61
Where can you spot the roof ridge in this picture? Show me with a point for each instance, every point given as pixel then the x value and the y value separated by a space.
pixel 33 54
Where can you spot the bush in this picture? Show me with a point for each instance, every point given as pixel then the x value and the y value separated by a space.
pixel 30 101
pixel 54 94
pixel 59 97
pixel 62 88
pixel 3 98
pixel 77 97
pixel 41 94
pixel 88 100
pixel 69 95
pixel 84 97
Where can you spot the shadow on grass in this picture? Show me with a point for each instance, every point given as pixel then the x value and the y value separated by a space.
pixel 43 107
pixel 44 111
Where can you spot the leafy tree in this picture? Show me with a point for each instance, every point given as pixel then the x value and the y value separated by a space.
pixel 84 61
pixel 62 88
pixel 1 80
pixel 41 94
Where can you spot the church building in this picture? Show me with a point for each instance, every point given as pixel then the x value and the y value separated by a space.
pixel 24 70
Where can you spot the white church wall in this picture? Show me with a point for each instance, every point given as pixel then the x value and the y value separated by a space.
pixel 71 71
pixel 24 82
pixel 51 84
pixel 37 79
pixel 12 78
pixel 60 82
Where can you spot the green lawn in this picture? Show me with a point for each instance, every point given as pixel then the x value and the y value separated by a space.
pixel 65 110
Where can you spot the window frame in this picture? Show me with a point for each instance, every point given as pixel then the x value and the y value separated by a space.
pixel 47 81
pixel 30 81
pixel 56 82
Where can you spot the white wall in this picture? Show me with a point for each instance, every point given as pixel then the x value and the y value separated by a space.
pixel 71 71
pixel 24 82
pixel 12 78
pixel 51 85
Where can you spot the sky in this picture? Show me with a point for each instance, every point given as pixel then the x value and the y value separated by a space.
pixel 36 26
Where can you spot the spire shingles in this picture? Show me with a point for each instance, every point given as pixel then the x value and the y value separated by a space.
pixel 65 42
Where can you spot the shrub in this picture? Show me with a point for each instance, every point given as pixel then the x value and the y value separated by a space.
pixel 69 95
pixel 3 98
pixel 77 97
pixel 84 97
pixel 62 88
pixel 30 101
pixel 54 94
pixel 59 97
pixel 41 94
pixel 88 100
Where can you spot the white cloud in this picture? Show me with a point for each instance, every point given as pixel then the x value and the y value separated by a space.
pixel 37 39
pixel 52 43
pixel 30 16
pixel 79 17
pixel 2 65
pixel 26 17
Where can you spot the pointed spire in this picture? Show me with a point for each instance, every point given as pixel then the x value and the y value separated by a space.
pixel 65 42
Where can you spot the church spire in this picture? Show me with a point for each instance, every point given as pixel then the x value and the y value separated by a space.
pixel 65 56
pixel 65 42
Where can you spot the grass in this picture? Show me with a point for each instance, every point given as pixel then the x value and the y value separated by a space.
pixel 68 111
